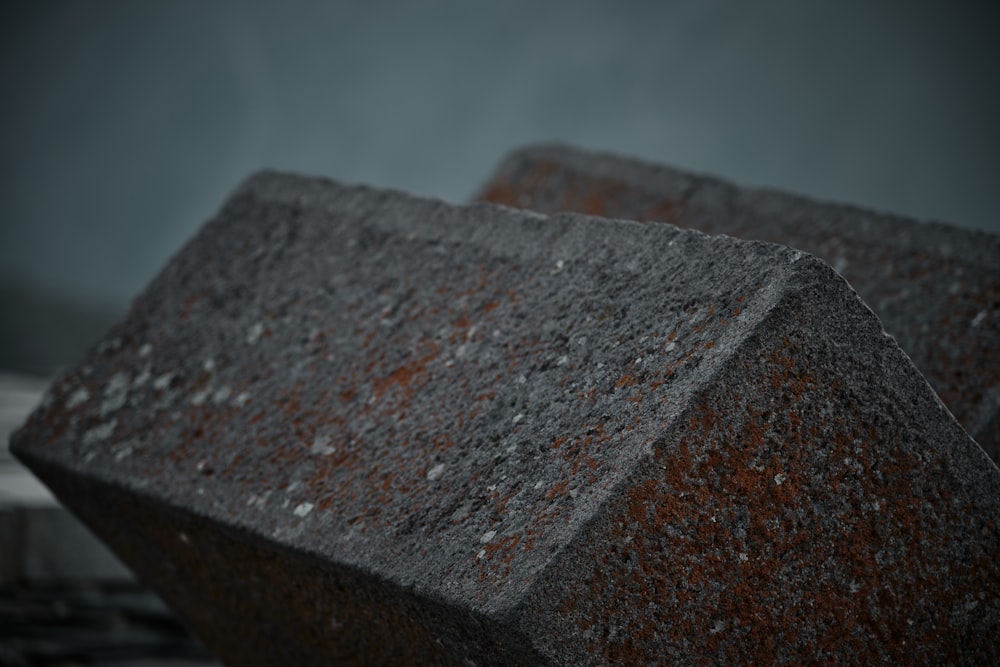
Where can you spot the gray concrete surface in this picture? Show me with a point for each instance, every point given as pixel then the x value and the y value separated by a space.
pixel 381 429
pixel 934 287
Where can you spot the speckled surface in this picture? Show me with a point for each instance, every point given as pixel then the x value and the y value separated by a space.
pixel 936 288
pixel 369 428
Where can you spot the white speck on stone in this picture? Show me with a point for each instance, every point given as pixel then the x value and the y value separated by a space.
pixel 184 538
pixel 521 379
pixel 539 484
pixel 796 256
pixel 482 552
pixel 909 621
pixel 717 627
pixel 670 346
pixel 145 350
pixel 854 587
pixel 512 449
pixel 487 536
pixel 254 333
pixel 435 472
pixel 303 509
pixel 100 432
pixel 77 397
pixel 559 266
pixel 563 360
pixel 221 394
pixel 241 399
pixel 779 479
pixel 978 319
pixel 163 381
pixel 200 397
pixel 517 418
pixel 116 393
pixel 123 453
pixel 321 446
pixel 743 557
pixel 208 365
pixel 876 505
pixel 260 500
pixel 600 365
pixel 142 378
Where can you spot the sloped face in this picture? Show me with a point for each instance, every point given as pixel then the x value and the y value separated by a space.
pixel 815 503
pixel 439 396
pixel 935 288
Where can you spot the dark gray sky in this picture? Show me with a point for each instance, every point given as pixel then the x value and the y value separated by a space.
pixel 124 124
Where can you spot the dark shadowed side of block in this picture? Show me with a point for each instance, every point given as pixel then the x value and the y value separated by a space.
pixel 936 288
pixel 350 425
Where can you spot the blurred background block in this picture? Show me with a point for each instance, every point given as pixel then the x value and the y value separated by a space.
pixel 124 124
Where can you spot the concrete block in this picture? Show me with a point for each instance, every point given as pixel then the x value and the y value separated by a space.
pixel 936 288
pixel 350 426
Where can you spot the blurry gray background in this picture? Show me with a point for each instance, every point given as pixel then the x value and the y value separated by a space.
pixel 124 124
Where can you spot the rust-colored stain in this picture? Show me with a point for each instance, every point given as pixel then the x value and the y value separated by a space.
pixel 403 376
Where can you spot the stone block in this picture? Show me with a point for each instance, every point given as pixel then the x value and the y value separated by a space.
pixel 936 288
pixel 350 426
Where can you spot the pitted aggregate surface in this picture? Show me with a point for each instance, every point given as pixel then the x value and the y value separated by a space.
pixel 936 288
pixel 349 397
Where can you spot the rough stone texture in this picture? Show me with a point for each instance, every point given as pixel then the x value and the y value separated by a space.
pixel 936 288
pixel 350 426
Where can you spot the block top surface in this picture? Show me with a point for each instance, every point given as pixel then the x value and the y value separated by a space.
pixel 370 375
pixel 936 288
